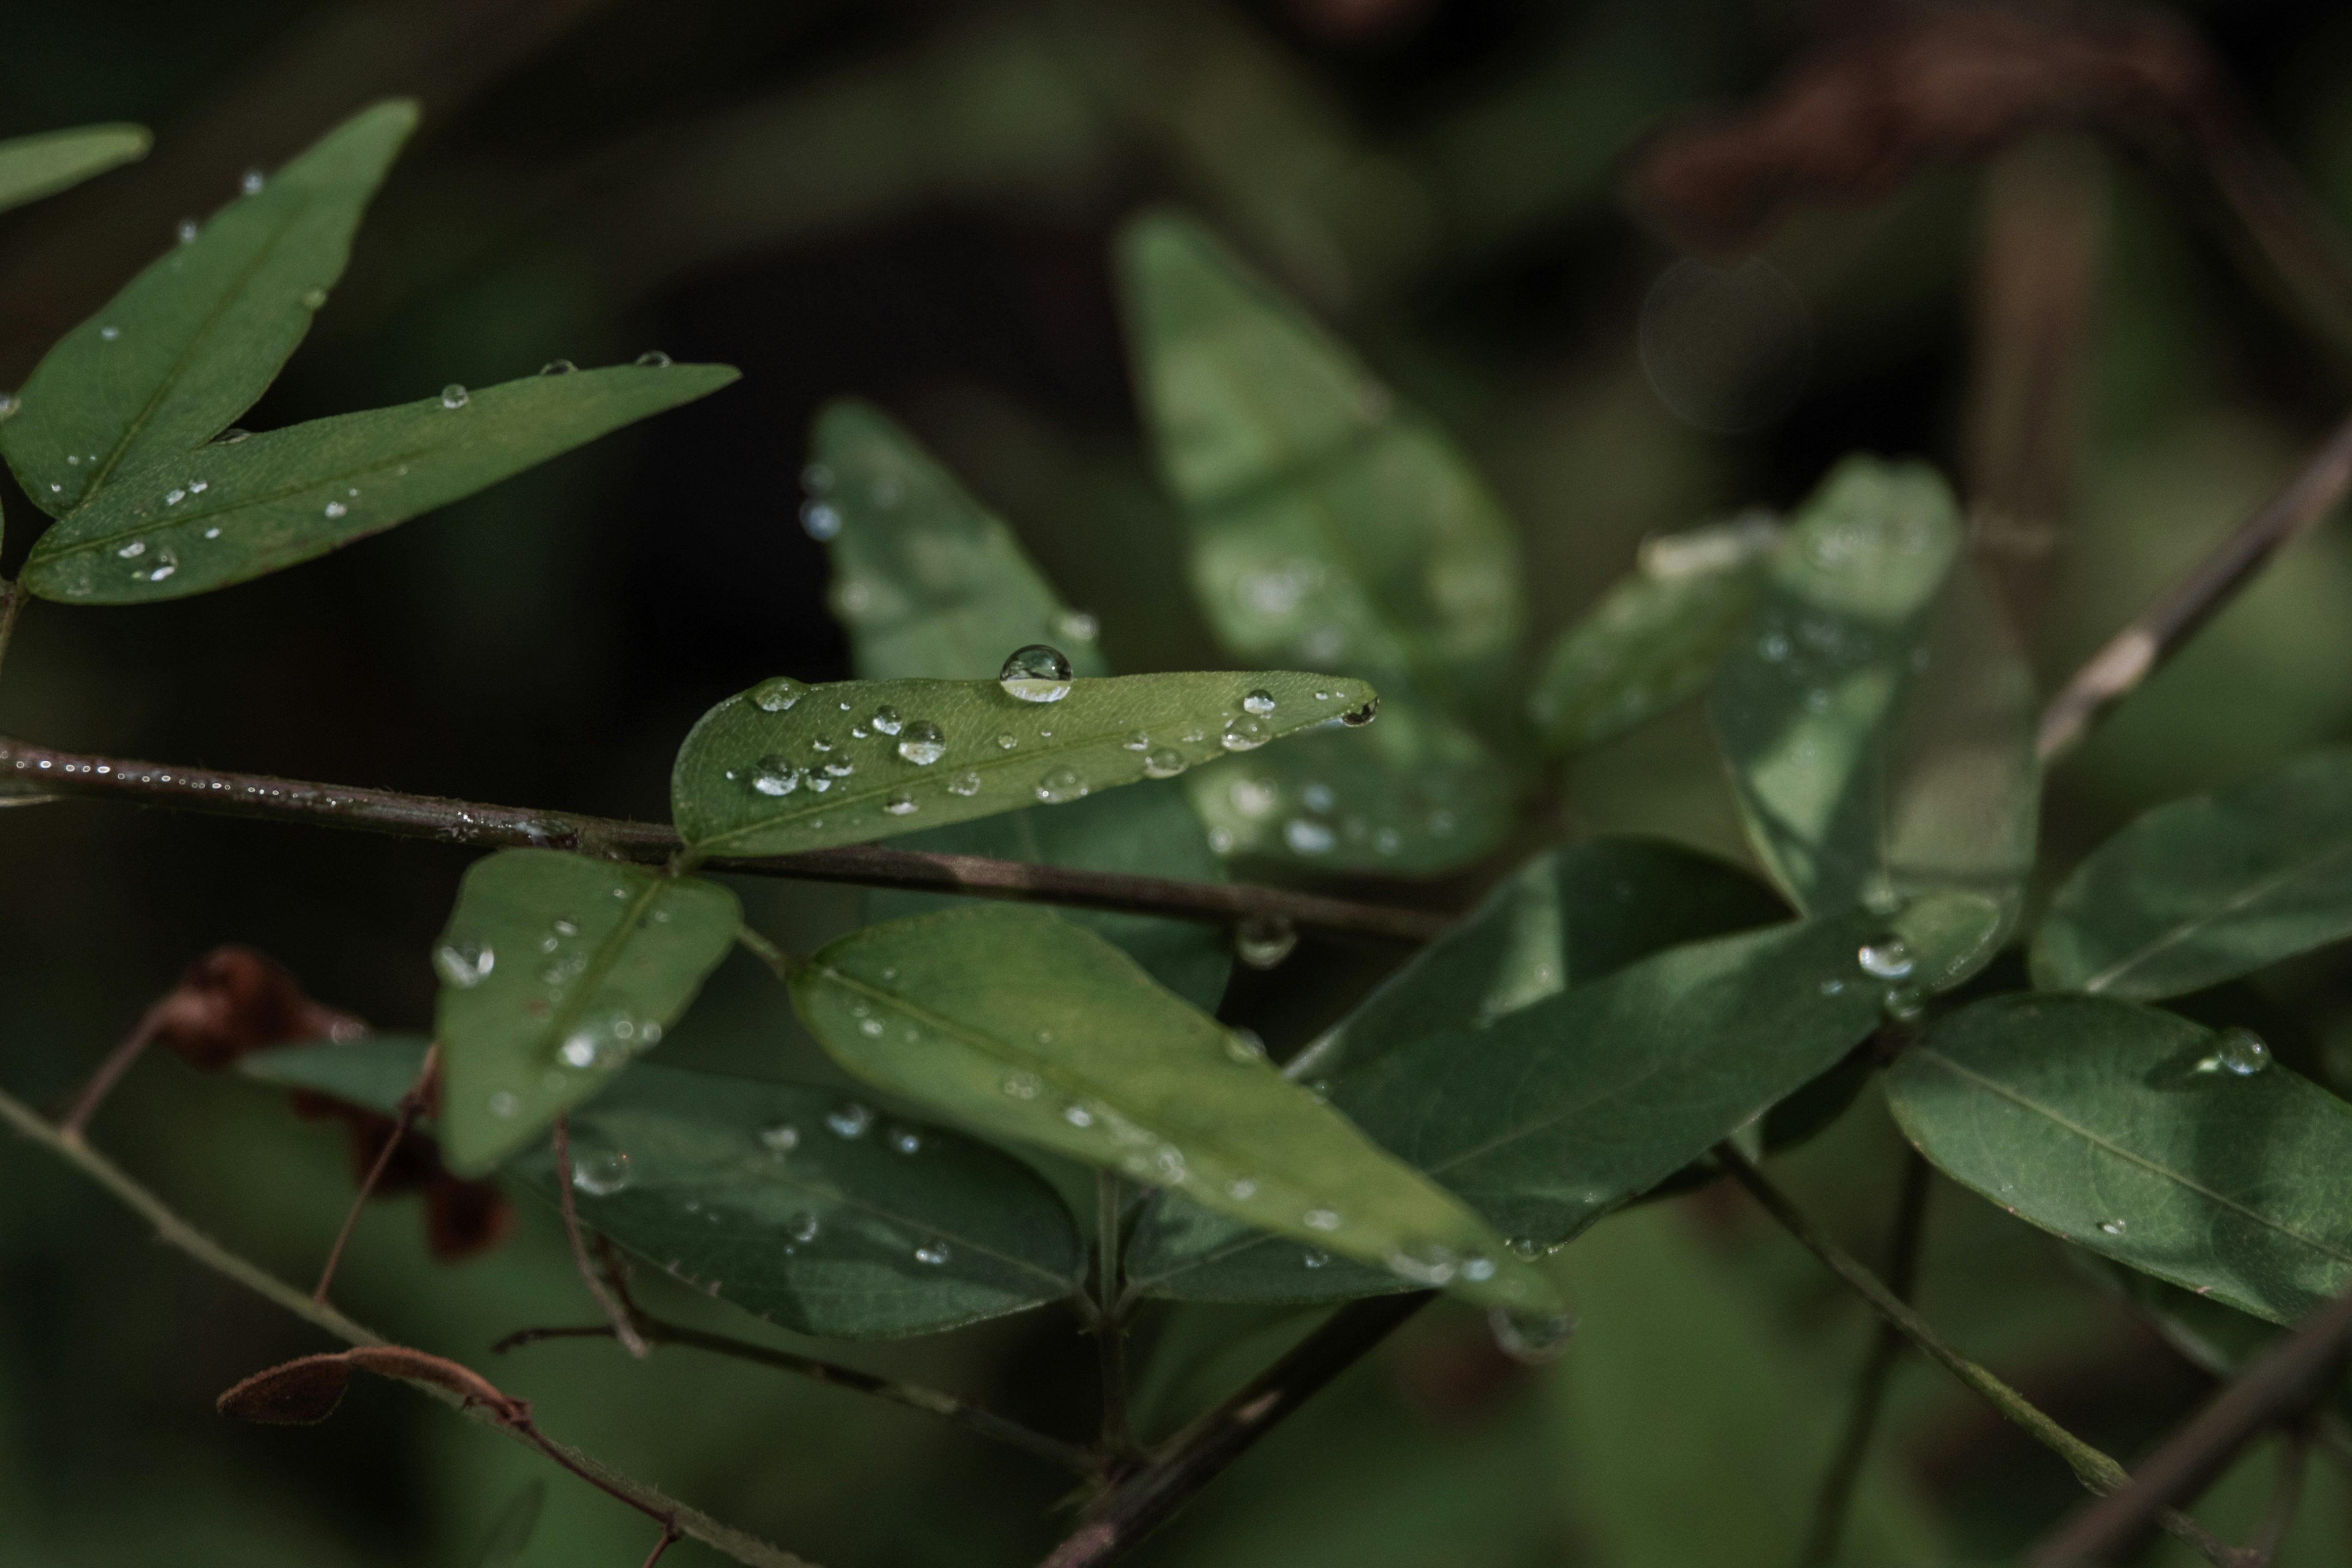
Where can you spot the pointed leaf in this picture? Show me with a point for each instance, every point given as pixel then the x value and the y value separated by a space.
pixel 805 1207
pixel 752 777
pixel 1552 1115
pixel 41 165
pixel 1019 1024
pixel 226 514
pixel 556 970
pixel 2205 889
pixel 191 342
pixel 1653 643
pixel 2135 1134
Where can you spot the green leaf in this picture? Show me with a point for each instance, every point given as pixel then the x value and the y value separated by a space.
pixel 41 165
pixel 1653 643
pixel 931 584
pixel 510 1534
pixel 1023 1026
pixel 805 1207
pixel 2132 1132
pixel 1568 917
pixel 228 512
pixel 2205 889
pixel 1329 523
pixel 752 777
pixel 371 1071
pixel 191 341
pixel 1550 1116
pixel 556 970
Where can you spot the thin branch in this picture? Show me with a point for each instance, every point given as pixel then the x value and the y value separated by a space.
pixel 623 1328
pixel 81 775
pixel 177 1233
pixel 13 600
pixel 2096 1470
pixel 412 1106
pixel 972 1417
pixel 1870 1394
pixel 2273 1382
pixel 119 1062
pixel 2157 632
pixel 1110 1327
pixel 1144 1500
pixel 668 1534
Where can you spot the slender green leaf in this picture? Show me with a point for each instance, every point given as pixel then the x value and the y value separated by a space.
pixel 191 341
pixel 786 766
pixel 2150 1140
pixel 555 970
pixel 41 165
pixel 2205 889
pixel 1023 1026
pixel 510 1533
pixel 803 1206
pixel 931 584
pixel 1330 524
pixel 372 1072
pixel 227 512
pixel 1653 643
pixel 1549 1117
pixel 1569 917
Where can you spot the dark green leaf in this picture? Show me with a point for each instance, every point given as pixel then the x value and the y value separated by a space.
pixel 372 1072
pixel 1551 1115
pixel 1018 1023
pixel 41 165
pixel 555 970
pixel 223 513
pixel 803 1206
pixel 1653 642
pixel 191 341
pixel 2206 890
pixel 786 766
pixel 511 1535
pixel 2135 1134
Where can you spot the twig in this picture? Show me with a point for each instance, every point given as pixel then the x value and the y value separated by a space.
pixel 2155 633
pixel 1144 1500
pixel 668 1534
pixel 618 1315
pixel 212 790
pixel 178 1234
pixel 412 1106
pixel 2093 1469
pixel 972 1417
pixel 1111 1327
pixel 1870 1394
pixel 2273 1382
pixel 109 1072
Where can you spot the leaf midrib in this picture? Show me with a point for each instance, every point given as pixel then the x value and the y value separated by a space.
pixel 2175 935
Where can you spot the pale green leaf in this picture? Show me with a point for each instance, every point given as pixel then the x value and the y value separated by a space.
pixel 1023 1026
pixel 2133 1132
pixel 191 341
pixel 2205 889
pixel 227 512
pixel 785 766
pixel 41 165
pixel 555 970
pixel 1654 641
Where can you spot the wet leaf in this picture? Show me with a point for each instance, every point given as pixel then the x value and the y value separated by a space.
pixel 555 970
pixel 1020 1025
pixel 2147 1138
pixel 225 513
pixel 2205 889
pixel 784 766
pixel 1330 524
pixel 191 341
pixel 372 1072
pixel 510 1533
pixel 806 1207
pixel 1653 643
pixel 1554 1114
pixel 41 165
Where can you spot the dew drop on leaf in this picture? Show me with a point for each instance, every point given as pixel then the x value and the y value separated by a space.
pixel 1062 785
pixel 1887 959
pixel 2112 1226
pixel 934 1253
pixel 920 741
pixel 1530 1339
pixel 850 1119
pixel 654 359
pixel 965 783
pixel 464 964
pixel 1246 733
pixel 1260 702
pixel 1321 1219
pixel 773 775
pixel 2242 1053
pixel 251 182
pixel 601 1173
pixel 886 720
pixel 802 1227
pixel 776 696
pixel 1037 673
pixel 1165 763
pixel 1356 718
pixel 1263 940
pixel 780 1139
pixel 454 396
pixel 557 367
pixel 900 804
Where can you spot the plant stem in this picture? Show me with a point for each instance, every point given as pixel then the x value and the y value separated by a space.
pixel 668 1534
pixel 1110 1326
pixel 2095 1469
pixel 972 1417
pixel 119 1060
pixel 177 1233
pixel 412 1105
pixel 86 776
pixel 1870 1394
pixel 785 964
pixel 11 605
pixel 615 1313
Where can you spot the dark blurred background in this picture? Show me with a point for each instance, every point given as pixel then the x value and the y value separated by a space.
pixel 912 201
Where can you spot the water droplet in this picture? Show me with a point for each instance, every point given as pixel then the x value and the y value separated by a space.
pixel 211 533
pixel 1022 1085
pixel 464 964
pixel 870 1027
pixel 231 436
pixel 776 696
pixel 251 182
pixel 1138 742
pixel 198 487
pixel 1035 674
pixel 336 509
pixel 1260 702
pixel 1006 742
pixel 1312 1258
pixel 905 1140
pixel 557 367
pixel 934 1253
pixel 775 775
pixel 1241 1189
pixel 1165 763
pixel 1077 1116
pixel 1476 1268
pixel 109 333
pixel 314 298
pixel 1529 1339
pixel 1263 940
pixel 1077 625
pixel 850 1119
pixel 1357 718
pixel 965 783
pixel 1423 1263
pixel 1308 836
pixel 654 359
pixel 1062 785
pixel 503 1103
pixel 1887 959
pixel 818 521
pixel 2112 1226
pixel 919 741
pixel 189 230
pixel 174 497
pixel 886 720
pixel 454 396
pixel 1321 1219
pixel 1833 987
pixel 2241 1052
pixel 780 1139
pixel 600 1172
pixel 839 767
pixel 1246 733
pixel 133 550
pixel 900 804
pixel 1244 1048
pixel 802 1227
